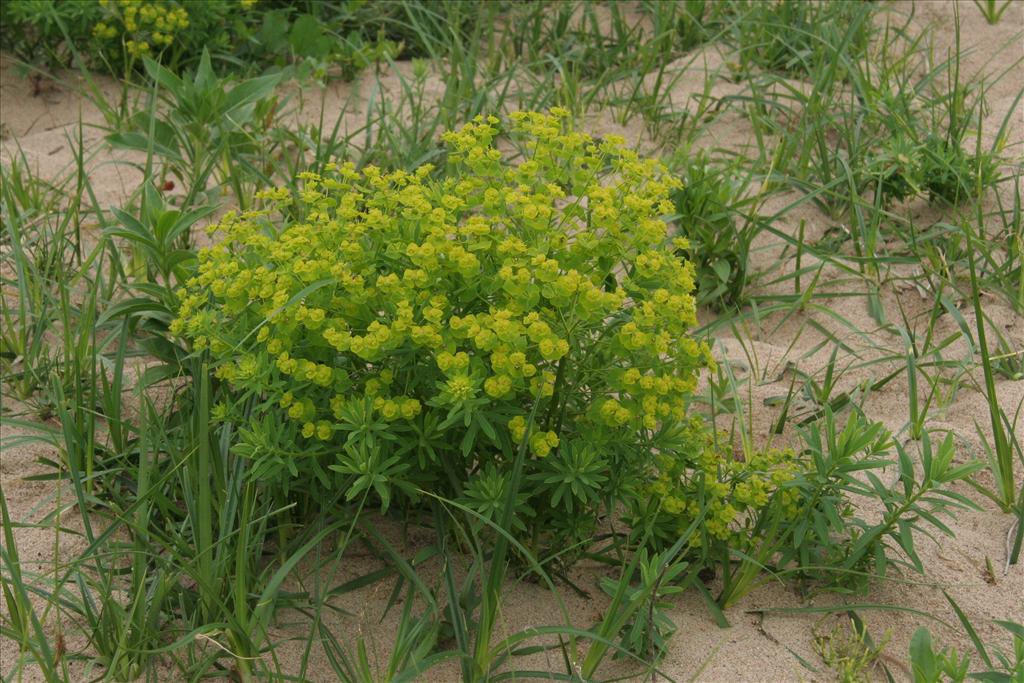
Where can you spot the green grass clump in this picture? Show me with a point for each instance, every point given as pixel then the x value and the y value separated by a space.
pixel 795 37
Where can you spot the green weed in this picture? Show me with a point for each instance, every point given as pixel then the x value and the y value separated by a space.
pixel 849 652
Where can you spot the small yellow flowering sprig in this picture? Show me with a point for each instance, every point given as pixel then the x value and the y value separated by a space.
pixel 736 491
pixel 457 303
pixel 144 26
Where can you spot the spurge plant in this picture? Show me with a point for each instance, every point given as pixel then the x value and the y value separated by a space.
pixel 401 333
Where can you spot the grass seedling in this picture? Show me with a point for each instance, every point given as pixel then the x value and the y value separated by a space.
pixel 917 350
pixel 21 623
pixel 993 10
pixel 1002 462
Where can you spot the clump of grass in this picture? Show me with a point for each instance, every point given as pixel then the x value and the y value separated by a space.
pixel 686 24
pixel 796 38
pixel 992 10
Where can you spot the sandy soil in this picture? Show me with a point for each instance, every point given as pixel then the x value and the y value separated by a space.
pixel 44 127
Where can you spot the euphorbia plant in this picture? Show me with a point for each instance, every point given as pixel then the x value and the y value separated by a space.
pixel 396 330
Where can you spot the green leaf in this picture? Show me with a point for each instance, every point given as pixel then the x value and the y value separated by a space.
pixel 1013 627
pixel 273 33
pixel 164 77
pixel 132 229
pixel 184 221
pixel 907 472
pixel 922 657
pixel 307 37
pixel 969 627
pixel 722 270
pixel 993 677
pixel 134 308
pixel 140 142
pixel 250 92
pixel 906 536
pixel 205 78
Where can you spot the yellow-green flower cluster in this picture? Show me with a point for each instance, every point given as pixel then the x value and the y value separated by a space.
pixel 735 490
pixel 145 26
pixel 498 283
